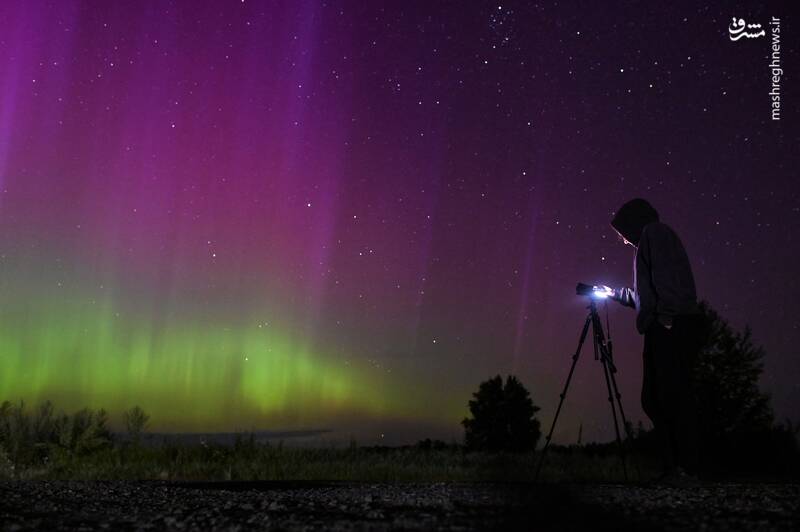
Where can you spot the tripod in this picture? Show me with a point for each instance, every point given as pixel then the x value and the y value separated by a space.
pixel 603 353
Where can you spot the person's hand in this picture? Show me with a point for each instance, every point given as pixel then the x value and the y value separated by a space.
pixel 613 293
pixel 609 292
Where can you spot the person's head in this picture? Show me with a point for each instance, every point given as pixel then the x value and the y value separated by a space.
pixel 630 219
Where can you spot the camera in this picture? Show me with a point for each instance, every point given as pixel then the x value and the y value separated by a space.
pixel 595 291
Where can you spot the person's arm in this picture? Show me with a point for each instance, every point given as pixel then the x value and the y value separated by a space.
pixel 624 296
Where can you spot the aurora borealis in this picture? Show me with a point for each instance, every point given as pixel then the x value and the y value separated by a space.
pixel 345 215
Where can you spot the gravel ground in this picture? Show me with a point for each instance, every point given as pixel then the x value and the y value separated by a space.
pixel 436 506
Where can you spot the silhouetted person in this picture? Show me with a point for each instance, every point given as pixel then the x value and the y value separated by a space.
pixel 668 316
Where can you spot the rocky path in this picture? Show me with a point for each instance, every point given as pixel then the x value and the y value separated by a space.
pixel 45 505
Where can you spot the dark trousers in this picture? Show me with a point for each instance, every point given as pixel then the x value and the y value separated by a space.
pixel 667 396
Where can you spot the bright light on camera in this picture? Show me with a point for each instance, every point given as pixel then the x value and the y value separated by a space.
pixel 602 292
pixel 596 291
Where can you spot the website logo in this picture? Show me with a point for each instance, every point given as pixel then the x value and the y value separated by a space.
pixel 739 29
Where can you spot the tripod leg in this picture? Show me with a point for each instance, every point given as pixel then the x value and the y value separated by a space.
pixel 582 339
pixel 618 397
pixel 606 372
pixel 604 351
pixel 627 427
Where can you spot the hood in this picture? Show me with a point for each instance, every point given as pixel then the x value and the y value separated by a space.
pixel 631 219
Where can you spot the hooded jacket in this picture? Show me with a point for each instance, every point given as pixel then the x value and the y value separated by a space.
pixel 663 284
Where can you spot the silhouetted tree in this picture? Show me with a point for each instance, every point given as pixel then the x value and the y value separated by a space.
pixel 136 422
pixel 502 417
pixel 726 381
pixel 736 418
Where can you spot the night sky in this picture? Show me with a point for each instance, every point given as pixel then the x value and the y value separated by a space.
pixel 301 214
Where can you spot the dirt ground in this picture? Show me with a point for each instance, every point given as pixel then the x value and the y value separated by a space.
pixel 47 505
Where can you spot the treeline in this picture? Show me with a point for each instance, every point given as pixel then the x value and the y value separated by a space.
pixel 44 435
pixel 39 443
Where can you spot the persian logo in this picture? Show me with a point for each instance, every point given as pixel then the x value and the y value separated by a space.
pixel 739 29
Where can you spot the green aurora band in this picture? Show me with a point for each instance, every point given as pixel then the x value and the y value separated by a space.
pixel 82 346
